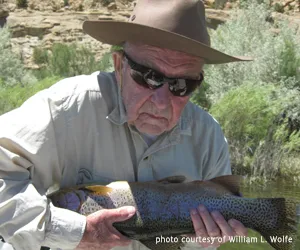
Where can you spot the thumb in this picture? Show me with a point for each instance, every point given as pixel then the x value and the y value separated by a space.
pixel 120 214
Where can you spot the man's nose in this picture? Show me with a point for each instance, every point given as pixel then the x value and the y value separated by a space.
pixel 161 97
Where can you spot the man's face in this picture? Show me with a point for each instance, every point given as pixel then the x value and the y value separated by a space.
pixel 154 111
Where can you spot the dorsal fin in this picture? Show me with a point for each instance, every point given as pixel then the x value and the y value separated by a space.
pixel 172 179
pixel 230 182
pixel 99 189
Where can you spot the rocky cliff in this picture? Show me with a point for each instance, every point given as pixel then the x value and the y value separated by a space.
pixel 43 23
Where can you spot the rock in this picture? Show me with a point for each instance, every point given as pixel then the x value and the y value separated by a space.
pixel 12 7
pixel 112 6
pixel 37 26
pixel 219 4
pixel 125 14
pixel 77 5
pixel 209 3
pixel 42 27
pixel 103 17
pixel 4 11
pixel 216 17
pixel 228 6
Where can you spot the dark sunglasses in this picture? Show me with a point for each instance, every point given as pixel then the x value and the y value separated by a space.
pixel 152 79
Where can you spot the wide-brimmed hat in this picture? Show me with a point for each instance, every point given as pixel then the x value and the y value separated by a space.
pixel 173 24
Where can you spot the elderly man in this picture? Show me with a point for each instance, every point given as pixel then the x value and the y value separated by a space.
pixel 134 124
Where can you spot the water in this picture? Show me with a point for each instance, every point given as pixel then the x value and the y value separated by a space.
pixel 271 190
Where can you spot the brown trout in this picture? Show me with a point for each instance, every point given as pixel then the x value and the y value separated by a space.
pixel 163 208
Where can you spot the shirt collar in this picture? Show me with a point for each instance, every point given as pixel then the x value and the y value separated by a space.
pixel 118 114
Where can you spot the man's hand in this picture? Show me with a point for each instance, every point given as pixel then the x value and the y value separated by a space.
pixel 208 225
pixel 100 234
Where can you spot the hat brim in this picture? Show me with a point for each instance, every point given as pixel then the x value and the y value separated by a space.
pixel 118 32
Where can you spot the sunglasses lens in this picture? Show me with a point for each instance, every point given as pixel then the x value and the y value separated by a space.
pixel 145 80
pixel 178 87
pixel 184 87
pixel 152 80
pixel 139 78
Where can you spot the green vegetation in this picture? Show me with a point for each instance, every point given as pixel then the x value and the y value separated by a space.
pixel 40 56
pixel 252 111
pixel 278 7
pixel 17 84
pixel 12 70
pixel 66 2
pixel 12 97
pixel 80 8
pixel 69 60
pixel 22 3
pixel 257 103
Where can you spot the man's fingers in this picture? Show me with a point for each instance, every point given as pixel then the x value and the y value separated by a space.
pixel 223 225
pixel 120 214
pixel 198 224
pixel 238 227
pixel 211 227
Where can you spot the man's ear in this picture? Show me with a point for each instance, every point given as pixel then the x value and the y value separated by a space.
pixel 118 64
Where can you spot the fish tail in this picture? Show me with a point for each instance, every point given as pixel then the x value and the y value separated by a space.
pixel 283 236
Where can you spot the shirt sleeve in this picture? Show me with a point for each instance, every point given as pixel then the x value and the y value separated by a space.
pixel 32 146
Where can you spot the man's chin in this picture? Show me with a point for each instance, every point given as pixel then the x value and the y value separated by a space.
pixel 150 129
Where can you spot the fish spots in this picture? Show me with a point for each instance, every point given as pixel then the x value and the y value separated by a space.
pixel 164 209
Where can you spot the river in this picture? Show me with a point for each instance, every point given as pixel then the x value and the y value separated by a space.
pixel 271 190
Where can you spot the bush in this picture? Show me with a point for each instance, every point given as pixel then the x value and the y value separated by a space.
pixel 12 70
pixel 261 134
pixel 290 140
pixel 276 55
pixel 22 3
pixel 105 63
pixel 246 113
pixel 12 97
pixel 278 7
pixel 278 155
pixel 40 56
pixel 71 60
pixel 290 59
pixel 200 97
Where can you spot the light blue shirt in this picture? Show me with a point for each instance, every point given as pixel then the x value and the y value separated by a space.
pixel 76 132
